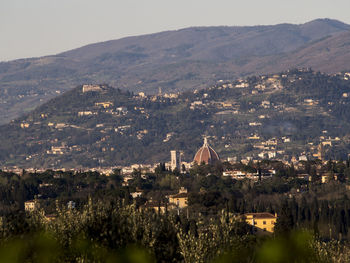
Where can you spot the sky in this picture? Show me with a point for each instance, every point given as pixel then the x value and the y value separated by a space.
pixel 32 28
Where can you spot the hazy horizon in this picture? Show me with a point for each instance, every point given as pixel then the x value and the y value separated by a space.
pixel 40 28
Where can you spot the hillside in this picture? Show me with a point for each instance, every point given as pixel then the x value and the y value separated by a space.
pixel 186 59
pixel 268 116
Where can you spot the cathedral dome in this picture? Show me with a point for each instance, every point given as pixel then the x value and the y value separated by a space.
pixel 206 154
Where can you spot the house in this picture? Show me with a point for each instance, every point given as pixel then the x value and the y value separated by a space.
pixel 60 125
pixel 105 105
pixel 235 174
pixel 306 177
pixel 84 113
pixel 310 102
pixel 242 85
pixel 265 104
pixel 255 123
pixel 180 199
pixel 87 88
pixel 136 194
pixel 71 205
pixel 31 205
pixel 226 104
pixel 24 125
pixel 254 137
pixel 262 222
pixel 325 178
pixel 196 104
pixel 122 110
pixel 57 150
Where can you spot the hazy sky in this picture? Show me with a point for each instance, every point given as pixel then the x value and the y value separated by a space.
pixel 30 28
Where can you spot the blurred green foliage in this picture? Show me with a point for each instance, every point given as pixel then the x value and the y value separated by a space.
pixel 103 232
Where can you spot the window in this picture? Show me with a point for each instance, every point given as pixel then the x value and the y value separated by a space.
pixel 264 222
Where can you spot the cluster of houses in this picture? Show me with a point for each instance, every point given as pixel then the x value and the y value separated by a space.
pixel 273 148
pixel 261 222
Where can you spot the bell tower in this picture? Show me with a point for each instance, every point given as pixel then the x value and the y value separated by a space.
pixel 175 160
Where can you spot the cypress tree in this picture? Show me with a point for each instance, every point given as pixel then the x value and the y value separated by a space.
pixel 284 222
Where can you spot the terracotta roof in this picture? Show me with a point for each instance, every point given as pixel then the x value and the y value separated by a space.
pixel 206 154
pixel 260 215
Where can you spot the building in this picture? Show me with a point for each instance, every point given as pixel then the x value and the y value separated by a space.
pixel 325 178
pixel 136 194
pixel 175 162
pixel 180 199
pixel 31 205
pixel 141 94
pixel 206 154
pixel 24 125
pixel 105 105
pixel 87 88
pixel 261 222
pixel 320 152
pixel 84 113
pixel 71 205
pixel 57 150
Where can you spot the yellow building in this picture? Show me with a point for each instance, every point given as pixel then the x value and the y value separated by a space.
pixel 262 222
pixel 325 178
pixel 31 205
pixel 180 199
pixel 106 104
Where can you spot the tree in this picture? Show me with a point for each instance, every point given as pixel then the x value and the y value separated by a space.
pixel 285 222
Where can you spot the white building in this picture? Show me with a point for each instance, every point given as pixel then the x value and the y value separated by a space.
pixel 87 88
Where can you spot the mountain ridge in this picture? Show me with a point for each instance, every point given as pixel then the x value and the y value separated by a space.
pixel 184 59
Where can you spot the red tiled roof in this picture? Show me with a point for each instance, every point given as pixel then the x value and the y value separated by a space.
pixel 206 154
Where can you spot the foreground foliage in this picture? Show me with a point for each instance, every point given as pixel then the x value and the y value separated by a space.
pixel 112 232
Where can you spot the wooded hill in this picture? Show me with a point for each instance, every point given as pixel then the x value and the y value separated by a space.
pixel 282 115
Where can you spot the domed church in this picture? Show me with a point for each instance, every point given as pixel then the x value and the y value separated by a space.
pixel 206 154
